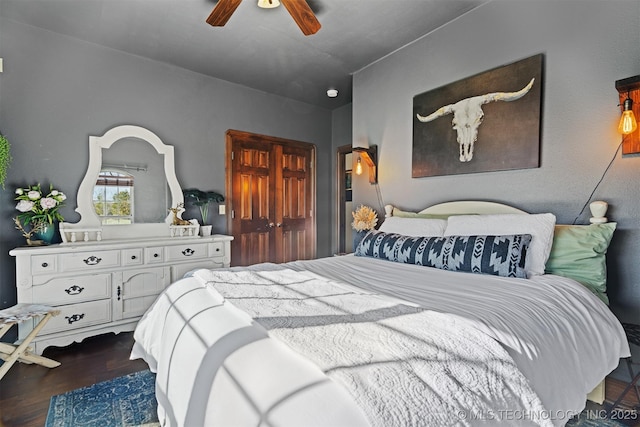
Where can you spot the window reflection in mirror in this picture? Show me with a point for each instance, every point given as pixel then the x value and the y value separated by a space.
pixel 113 197
pixel 149 191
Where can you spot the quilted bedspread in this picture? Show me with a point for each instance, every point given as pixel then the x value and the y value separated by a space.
pixel 402 364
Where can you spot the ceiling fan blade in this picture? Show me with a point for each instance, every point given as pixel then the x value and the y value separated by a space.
pixel 222 12
pixel 303 15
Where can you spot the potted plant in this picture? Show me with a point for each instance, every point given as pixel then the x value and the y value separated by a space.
pixel 202 199
pixel 5 158
pixel 40 211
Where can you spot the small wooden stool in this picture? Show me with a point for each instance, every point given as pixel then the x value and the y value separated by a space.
pixel 12 353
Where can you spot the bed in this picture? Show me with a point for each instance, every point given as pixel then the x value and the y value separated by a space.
pixel 465 313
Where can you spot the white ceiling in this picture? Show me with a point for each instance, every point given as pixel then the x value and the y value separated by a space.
pixel 258 48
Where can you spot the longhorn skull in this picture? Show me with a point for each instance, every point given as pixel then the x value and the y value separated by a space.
pixel 468 115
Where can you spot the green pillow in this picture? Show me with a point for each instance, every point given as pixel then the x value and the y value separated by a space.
pixel 578 252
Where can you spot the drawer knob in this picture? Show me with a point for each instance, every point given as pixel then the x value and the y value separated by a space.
pixel 92 260
pixel 134 257
pixel 156 255
pixel 217 249
pixel 74 290
pixel 45 264
pixel 74 318
pixel 188 252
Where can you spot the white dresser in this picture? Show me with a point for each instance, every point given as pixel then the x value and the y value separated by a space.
pixel 106 286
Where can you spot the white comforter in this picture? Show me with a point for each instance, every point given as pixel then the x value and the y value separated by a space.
pixel 561 337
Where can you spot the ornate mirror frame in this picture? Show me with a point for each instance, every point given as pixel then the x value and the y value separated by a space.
pixel 90 228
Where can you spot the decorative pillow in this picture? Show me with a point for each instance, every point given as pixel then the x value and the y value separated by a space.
pixel 414 226
pixel 496 255
pixel 578 252
pixel 539 226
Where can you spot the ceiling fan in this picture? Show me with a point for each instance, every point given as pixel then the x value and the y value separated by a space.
pixel 298 9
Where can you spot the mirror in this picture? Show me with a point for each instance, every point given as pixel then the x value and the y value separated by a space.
pixel 135 165
pixel 131 187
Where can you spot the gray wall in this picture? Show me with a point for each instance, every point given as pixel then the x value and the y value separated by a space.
pixel 56 91
pixel 587 45
pixel 341 131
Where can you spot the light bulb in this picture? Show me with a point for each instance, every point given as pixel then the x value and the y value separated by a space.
pixel 359 166
pixel 268 4
pixel 628 122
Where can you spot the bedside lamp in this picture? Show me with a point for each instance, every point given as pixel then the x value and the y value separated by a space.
pixel 598 210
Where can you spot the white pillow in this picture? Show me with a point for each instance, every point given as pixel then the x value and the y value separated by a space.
pixel 540 226
pixel 414 227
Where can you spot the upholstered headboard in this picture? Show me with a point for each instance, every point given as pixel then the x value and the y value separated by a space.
pixel 464 207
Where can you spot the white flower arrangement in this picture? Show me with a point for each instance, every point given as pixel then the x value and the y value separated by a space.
pixel 36 207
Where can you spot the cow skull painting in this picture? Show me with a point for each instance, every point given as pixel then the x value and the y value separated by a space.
pixel 468 115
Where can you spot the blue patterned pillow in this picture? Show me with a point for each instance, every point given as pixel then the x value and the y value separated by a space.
pixel 497 255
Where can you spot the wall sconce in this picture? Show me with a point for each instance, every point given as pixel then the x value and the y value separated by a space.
pixel 370 156
pixel 628 122
pixel 629 93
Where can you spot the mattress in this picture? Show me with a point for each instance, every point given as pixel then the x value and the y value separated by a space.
pixel 207 334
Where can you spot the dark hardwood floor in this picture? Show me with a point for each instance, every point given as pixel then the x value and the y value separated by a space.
pixel 25 390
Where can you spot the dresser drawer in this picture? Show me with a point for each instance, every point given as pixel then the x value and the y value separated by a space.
pixel 90 260
pixel 43 264
pixel 80 315
pixel 69 290
pixel 132 256
pixel 187 252
pixel 217 249
pixel 154 255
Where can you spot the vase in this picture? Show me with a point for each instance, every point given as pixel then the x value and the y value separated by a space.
pixel 205 230
pixel 46 234
pixel 357 238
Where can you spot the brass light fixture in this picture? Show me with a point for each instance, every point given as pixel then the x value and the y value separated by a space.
pixel 359 166
pixel 370 156
pixel 629 95
pixel 628 122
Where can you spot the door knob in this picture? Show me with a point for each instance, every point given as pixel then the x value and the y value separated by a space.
pixel 279 224
pixel 271 225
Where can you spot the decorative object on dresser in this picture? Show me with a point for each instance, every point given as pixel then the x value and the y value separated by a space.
pixel 202 199
pixel 105 275
pixel 182 227
pixel 40 212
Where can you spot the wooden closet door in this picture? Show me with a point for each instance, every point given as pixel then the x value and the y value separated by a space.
pixel 271 202
pixel 294 203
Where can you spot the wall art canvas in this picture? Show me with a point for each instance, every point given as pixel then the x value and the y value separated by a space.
pixel 487 122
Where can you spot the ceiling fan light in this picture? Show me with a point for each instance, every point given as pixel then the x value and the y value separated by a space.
pixel 268 4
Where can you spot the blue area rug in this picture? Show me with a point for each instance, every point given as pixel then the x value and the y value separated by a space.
pixel 121 402
pixel 129 401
